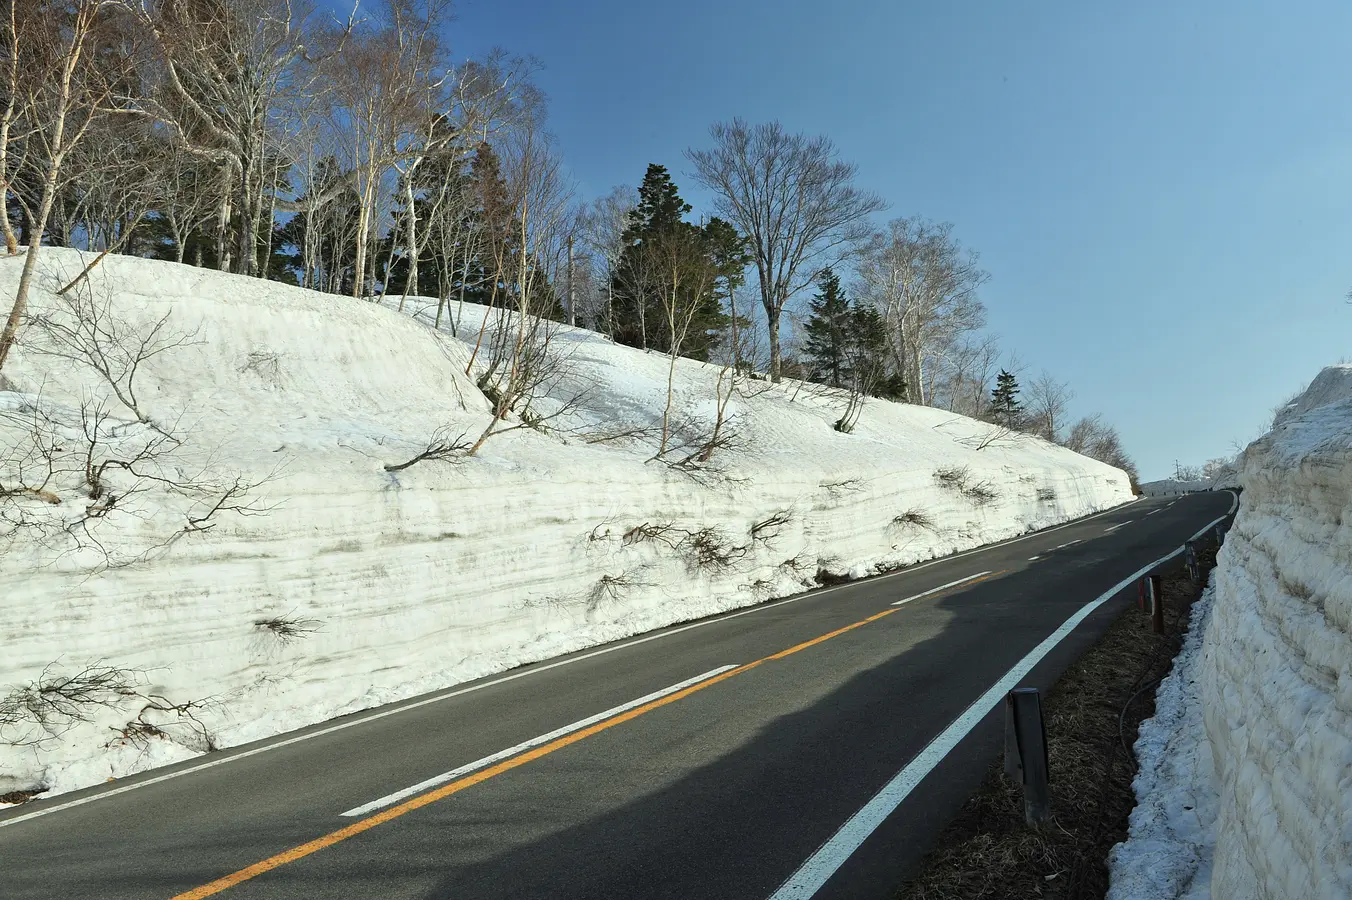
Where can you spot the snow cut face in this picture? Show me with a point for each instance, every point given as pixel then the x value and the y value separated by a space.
pixel 1276 678
pixel 269 564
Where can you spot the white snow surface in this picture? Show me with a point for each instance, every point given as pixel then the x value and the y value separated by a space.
pixel 1276 674
pixel 406 582
pixel 1171 835
pixel 1169 487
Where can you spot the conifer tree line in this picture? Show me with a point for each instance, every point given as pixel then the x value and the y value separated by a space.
pixel 358 156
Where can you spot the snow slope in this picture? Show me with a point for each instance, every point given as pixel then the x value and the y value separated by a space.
pixel 1276 676
pixel 1171 835
pixel 395 583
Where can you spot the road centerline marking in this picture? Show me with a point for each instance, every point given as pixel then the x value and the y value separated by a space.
pixel 455 773
pixel 478 777
pixel 972 579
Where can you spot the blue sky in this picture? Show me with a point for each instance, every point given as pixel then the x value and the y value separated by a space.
pixel 1159 190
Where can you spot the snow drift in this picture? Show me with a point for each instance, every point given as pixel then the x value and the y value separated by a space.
pixel 262 570
pixel 1171 836
pixel 1276 677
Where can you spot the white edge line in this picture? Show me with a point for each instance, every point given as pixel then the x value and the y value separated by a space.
pixel 391 799
pixel 534 669
pixel 942 587
pixel 819 867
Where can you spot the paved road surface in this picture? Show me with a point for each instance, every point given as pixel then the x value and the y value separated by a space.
pixel 727 766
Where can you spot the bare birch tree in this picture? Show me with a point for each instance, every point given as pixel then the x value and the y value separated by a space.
pixel 605 225
pixel 795 201
pixel 925 286
pixel 63 99
pixel 1045 401
pixel 220 77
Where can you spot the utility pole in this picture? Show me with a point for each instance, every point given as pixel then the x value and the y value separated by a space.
pixel 572 294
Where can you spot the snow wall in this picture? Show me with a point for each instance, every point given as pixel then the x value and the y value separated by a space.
pixel 1276 678
pixel 400 582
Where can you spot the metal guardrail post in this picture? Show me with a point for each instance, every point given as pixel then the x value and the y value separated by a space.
pixel 1190 557
pixel 1156 605
pixel 1026 753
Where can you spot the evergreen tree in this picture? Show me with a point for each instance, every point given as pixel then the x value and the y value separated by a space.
pixel 829 330
pixel 730 253
pixel 847 343
pixel 867 349
pixel 1005 406
pixel 657 229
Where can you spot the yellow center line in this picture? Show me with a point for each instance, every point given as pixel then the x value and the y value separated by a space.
pixel 975 581
pixel 455 787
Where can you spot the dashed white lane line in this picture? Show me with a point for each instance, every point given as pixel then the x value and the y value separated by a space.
pixel 1031 558
pixel 1111 528
pixel 942 587
pixel 420 787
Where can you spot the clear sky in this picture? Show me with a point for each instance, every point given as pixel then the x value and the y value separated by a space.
pixel 1160 190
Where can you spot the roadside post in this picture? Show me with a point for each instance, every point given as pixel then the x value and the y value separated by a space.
pixel 1156 605
pixel 1190 557
pixel 1026 753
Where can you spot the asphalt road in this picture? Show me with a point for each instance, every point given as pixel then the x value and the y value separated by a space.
pixel 722 789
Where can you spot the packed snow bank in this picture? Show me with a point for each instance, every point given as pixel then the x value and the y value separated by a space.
pixel 1169 845
pixel 1276 677
pixel 1171 488
pixel 259 568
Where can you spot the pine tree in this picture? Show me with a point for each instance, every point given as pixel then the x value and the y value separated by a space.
pixel 656 229
pixel 867 349
pixel 1005 406
pixel 829 330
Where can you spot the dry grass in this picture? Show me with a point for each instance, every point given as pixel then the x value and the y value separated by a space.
pixel 987 853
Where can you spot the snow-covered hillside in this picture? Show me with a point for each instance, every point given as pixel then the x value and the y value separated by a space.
pixel 1276 677
pixel 250 565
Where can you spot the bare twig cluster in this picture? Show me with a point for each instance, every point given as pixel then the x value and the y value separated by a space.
pixel 56 701
pixel 709 550
pixel 288 629
pixel 654 532
pixel 983 493
pixel 914 518
pixel 767 530
pixel 953 477
pixel 440 446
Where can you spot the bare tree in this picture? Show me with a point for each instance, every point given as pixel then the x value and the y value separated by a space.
pixel 794 200
pixel 524 365
pixel 966 371
pixel 63 101
pixel 684 278
pixel 1096 439
pixel 390 81
pixel 1045 401
pixel 925 286
pixel 604 228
